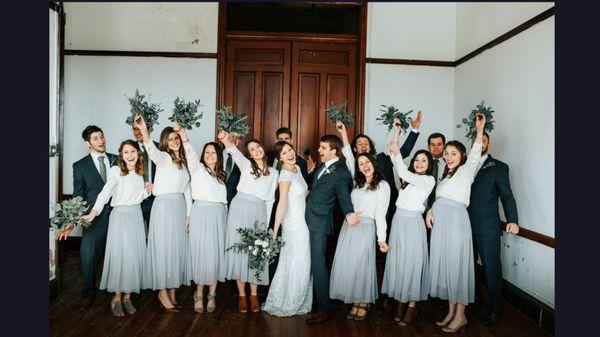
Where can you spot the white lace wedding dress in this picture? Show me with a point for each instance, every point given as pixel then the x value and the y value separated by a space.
pixel 290 292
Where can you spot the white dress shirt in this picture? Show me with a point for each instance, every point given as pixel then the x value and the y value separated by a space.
pixel 97 163
pixel 481 161
pixel 373 204
pixel 169 178
pixel 204 186
pixel 124 190
pixel 327 165
pixel 415 194
pixel 458 187
pixel 262 187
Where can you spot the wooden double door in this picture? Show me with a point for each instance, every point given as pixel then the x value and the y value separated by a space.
pixel 290 83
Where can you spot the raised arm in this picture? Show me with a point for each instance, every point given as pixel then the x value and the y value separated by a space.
pixel 240 160
pixel 193 161
pixel 346 150
pixel 469 169
pixel 411 139
pixel 419 180
pixel 158 157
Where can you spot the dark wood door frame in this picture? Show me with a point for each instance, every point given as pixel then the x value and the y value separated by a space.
pixel 360 40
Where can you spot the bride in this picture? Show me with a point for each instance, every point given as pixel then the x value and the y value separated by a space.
pixel 290 292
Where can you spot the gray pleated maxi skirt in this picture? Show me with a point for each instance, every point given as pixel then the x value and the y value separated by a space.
pixel 353 274
pixel 167 262
pixel 244 210
pixel 451 260
pixel 208 221
pixel 406 276
pixel 125 252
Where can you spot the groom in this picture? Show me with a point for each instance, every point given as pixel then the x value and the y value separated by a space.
pixel 331 180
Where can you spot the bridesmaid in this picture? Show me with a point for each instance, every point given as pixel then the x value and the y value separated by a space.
pixel 253 201
pixel 353 274
pixel 208 220
pixel 167 262
pixel 125 252
pixel 451 261
pixel 406 276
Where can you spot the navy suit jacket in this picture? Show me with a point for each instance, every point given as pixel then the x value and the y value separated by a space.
pixel 87 182
pixel 491 183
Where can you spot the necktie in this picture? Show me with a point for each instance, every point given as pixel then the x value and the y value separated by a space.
pixel 229 165
pixel 321 170
pixel 279 165
pixel 431 198
pixel 146 163
pixel 102 168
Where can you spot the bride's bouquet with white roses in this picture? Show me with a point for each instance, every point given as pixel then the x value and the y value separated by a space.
pixel 258 243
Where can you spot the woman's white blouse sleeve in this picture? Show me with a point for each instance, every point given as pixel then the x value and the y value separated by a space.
pixel 114 174
pixel 383 201
pixel 240 160
pixel 469 169
pixel 347 151
pixel 160 158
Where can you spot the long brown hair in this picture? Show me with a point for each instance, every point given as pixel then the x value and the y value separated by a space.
pixel 411 167
pixel 257 171
pixel 360 179
pixel 139 164
pixel 463 158
pixel 164 146
pixel 218 172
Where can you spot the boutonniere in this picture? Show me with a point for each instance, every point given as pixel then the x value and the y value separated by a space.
pixel 489 164
pixel 330 169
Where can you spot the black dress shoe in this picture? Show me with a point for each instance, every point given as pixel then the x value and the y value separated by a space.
pixel 86 303
pixel 492 318
pixel 383 304
pixel 318 318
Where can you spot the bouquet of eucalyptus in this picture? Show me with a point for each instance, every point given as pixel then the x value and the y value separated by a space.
pixel 339 113
pixel 258 243
pixel 389 113
pixel 68 212
pixel 232 122
pixel 186 114
pixel 149 111
pixel 469 121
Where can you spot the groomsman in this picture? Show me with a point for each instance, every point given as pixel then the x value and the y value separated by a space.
pixel 232 171
pixel 436 143
pixel 89 176
pixel 149 172
pixel 491 183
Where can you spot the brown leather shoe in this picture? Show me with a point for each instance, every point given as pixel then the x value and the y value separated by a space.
pixel 85 303
pixel 318 318
pixel 254 305
pixel 242 304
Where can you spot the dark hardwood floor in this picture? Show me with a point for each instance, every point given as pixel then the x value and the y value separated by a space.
pixel 66 319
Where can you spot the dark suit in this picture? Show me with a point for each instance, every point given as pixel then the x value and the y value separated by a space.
pixel 147 203
pixel 232 181
pixel 319 218
pixel 87 184
pixel 491 183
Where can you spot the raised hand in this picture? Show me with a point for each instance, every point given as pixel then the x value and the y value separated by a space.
pixel 340 127
pixel 140 122
pixel 310 163
pixel 429 219
pixel 479 122
pixel 415 123
pixel 222 135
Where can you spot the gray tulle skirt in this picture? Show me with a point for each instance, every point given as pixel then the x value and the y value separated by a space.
pixel 208 221
pixel 406 276
pixel 451 260
pixel 244 210
pixel 167 262
pixel 353 274
pixel 125 252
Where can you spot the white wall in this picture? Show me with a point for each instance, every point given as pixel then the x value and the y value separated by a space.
pixel 143 26
pixel 429 89
pixel 516 77
pixel 478 23
pixel 424 31
pixel 95 89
